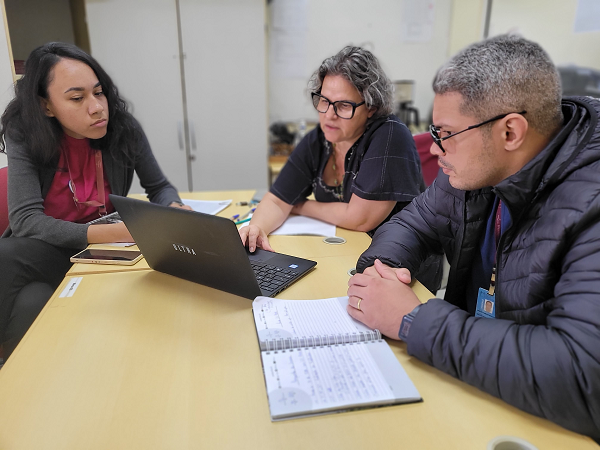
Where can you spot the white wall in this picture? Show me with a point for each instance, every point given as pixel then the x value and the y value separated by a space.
pixel 468 23
pixel 549 25
pixel 35 22
pixel 375 24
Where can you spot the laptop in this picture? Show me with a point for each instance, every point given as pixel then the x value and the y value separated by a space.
pixel 206 249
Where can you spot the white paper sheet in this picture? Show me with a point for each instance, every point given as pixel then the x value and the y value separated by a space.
pixel 417 21
pixel 302 225
pixel 587 16
pixel 288 39
pixel 207 206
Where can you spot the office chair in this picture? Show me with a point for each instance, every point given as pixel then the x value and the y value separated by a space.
pixel 429 164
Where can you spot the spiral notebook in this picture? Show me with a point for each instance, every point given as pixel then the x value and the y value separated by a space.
pixel 317 359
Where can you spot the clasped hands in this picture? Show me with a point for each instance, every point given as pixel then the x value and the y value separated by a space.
pixel 385 297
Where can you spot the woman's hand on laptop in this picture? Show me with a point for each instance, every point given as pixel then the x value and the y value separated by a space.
pixel 113 232
pixel 254 236
pixel 180 205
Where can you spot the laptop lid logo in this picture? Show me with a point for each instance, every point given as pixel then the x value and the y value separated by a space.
pixel 184 249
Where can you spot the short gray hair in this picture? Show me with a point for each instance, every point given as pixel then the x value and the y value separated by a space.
pixel 363 71
pixel 506 73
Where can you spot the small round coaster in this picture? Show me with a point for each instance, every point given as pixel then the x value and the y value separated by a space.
pixel 510 443
pixel 334 240
pixel 352 272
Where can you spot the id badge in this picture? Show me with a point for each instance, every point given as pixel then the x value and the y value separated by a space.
pixel 486 304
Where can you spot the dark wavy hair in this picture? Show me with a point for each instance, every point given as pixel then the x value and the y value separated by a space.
pixel 24 119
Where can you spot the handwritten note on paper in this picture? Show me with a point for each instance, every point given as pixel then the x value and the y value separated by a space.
pixel 322 378
pixel 276 318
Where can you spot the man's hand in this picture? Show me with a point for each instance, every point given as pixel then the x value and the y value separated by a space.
pixel 254 237
pixel 384 298
pixel 402 274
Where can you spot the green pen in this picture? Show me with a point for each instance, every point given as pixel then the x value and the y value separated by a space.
pixel 243 221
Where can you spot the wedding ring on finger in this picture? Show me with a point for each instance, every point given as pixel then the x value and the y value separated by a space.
pixel 358 304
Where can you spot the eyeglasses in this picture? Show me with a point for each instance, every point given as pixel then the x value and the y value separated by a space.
pixel 433 130
pixel 344 109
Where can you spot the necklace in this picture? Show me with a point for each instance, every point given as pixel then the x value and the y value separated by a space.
pixel 335 179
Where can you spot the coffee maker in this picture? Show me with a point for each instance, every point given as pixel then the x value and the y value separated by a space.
pixel 403 103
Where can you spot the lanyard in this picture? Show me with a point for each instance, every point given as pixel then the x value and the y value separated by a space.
pixel 497 232
pixel 100 203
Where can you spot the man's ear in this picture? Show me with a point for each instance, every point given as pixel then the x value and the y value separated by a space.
pixel 46 107
pixel 515 131
pixel 372 111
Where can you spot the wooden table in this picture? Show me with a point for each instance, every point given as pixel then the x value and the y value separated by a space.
pixel 143 360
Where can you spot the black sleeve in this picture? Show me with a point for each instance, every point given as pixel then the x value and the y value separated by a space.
pixel 390 168
pixel 549 370
pixel 409 237
pixel 294 183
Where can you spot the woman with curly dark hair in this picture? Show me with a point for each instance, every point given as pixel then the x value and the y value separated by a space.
pixel 70 142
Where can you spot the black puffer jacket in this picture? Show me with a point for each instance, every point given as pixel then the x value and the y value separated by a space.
pixel 542 354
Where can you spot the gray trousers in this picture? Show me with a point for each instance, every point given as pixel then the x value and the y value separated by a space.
pixel 30 271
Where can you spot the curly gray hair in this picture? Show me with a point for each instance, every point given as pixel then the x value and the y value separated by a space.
pixel 506 73
pixel 362 69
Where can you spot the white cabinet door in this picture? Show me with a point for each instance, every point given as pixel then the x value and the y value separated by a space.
pixel 137 44
pixel 225 75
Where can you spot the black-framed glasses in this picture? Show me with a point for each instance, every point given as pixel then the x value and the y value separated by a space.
pixel 344 109
pixel 433 130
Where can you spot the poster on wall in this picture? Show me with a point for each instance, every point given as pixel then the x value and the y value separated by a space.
pixel 587 16
pixel 288 39
pixel 417 20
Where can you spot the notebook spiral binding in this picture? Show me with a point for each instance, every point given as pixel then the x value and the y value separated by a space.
pixel 319 341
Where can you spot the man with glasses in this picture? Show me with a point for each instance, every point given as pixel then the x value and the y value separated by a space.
pixel 517 212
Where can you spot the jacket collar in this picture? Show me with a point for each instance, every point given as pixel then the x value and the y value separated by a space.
pixel 552 163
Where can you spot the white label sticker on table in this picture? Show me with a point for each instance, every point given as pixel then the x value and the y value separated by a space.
pixel 71 287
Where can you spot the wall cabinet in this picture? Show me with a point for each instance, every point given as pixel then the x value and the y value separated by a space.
pixel 194 72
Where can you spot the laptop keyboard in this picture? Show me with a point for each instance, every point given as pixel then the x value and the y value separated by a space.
pixel 272 278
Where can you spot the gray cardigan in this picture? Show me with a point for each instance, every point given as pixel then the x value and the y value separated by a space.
pixel 29 184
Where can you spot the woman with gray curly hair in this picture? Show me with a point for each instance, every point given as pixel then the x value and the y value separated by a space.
pixel 360 161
